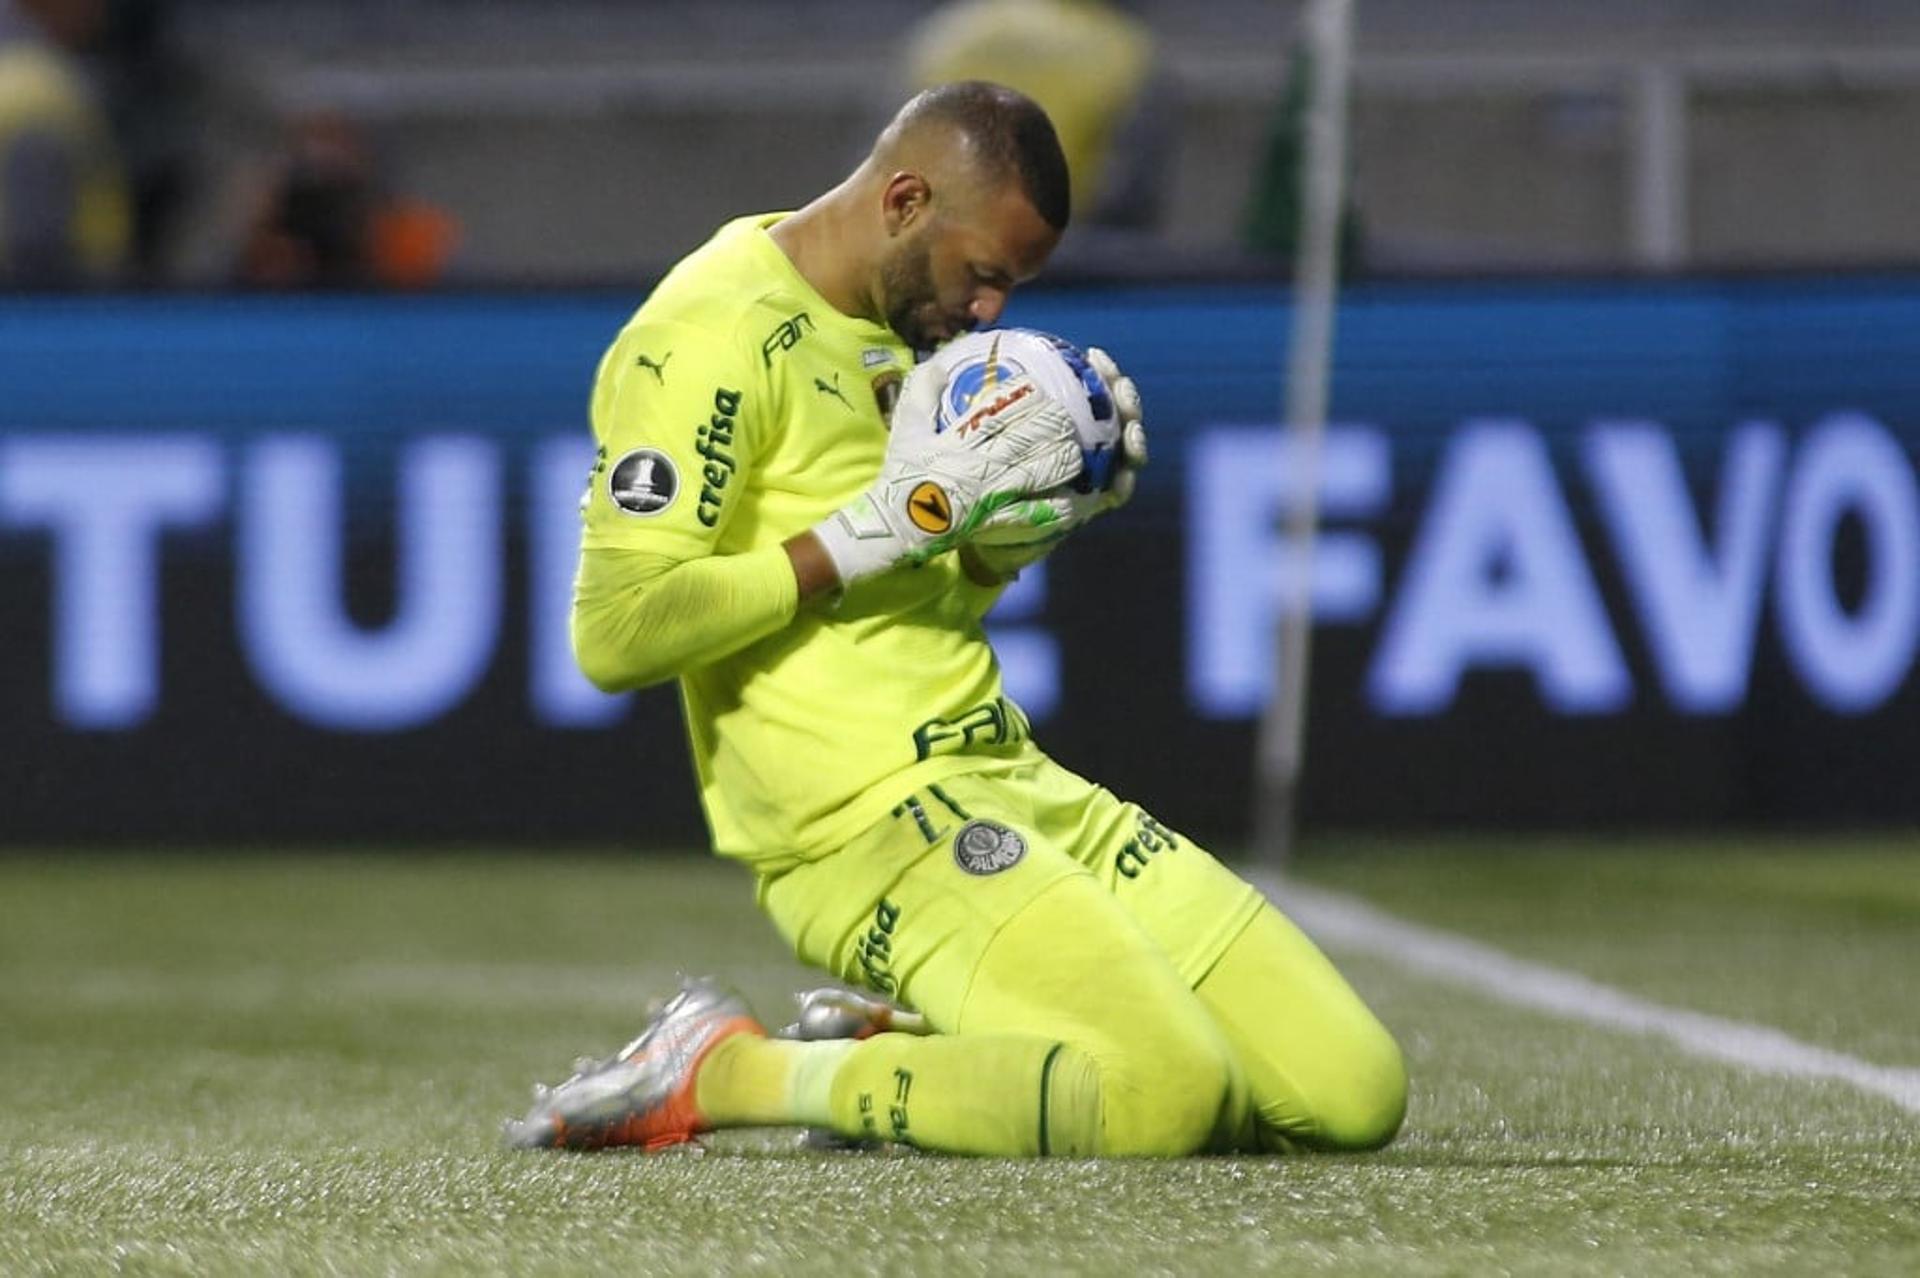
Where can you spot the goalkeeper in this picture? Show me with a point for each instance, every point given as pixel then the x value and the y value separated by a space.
pixel 1093 982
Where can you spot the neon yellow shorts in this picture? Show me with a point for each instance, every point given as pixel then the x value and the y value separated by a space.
pixel 1027 900
pixel 910 906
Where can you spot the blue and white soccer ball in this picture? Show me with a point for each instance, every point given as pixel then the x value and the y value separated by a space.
pixel 978 363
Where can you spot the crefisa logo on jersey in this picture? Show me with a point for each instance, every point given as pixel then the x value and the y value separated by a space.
pixel 983 847
pixel 644 482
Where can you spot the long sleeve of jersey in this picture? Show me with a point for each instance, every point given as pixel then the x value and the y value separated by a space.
pixel 640 617
pixel 680 414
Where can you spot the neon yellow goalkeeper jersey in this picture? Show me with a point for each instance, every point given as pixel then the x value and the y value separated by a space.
pixel 736 409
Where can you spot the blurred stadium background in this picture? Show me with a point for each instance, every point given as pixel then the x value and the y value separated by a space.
pixel 593 140
pixel 1617 611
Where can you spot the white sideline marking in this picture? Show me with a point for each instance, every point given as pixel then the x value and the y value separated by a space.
pixel 1337 918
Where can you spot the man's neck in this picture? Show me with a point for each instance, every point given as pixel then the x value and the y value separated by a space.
pixel 819 242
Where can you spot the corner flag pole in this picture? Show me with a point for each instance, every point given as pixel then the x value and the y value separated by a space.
pixel 1281 749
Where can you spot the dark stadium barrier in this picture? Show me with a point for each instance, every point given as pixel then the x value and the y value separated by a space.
pixel 1595 554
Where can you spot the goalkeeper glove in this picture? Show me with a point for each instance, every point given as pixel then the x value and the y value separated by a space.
pixel 1024 532
pixel 937 487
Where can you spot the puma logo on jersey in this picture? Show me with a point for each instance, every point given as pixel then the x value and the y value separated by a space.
pixel 657 368
pixel 833 389
pixel 929 508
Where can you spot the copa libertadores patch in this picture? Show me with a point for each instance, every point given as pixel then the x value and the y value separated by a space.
pixel 644 482
pixel 983 847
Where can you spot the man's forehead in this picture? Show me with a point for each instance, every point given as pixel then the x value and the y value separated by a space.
pixel 1007 227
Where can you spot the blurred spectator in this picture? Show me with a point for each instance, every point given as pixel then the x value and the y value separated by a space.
pixel 156 104
pixel 1091 67
pixel 326 220
pixel 64 218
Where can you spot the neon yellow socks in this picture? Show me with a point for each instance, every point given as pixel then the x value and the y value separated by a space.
pixel 1006 1095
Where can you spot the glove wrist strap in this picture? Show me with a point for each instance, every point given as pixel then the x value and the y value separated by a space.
pixel 858 541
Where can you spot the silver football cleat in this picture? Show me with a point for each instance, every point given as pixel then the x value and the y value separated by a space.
pixel 642 1094
pixel 833 1012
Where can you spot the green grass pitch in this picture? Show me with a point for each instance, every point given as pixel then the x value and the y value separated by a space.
pixel 296 1064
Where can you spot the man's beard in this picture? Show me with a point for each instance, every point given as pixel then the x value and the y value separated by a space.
pixel 912 302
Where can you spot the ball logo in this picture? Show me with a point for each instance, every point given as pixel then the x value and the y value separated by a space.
pixel 984 847
pixel 985 408
pixel 974 382
pixel 929 508
pixel 644 482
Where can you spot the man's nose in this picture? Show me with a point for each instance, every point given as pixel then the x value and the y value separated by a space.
pixel 987 305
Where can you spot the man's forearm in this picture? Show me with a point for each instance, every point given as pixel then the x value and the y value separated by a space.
pixel 813 570
pixel 639 619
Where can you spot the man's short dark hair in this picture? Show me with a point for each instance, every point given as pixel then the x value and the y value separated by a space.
pixel 1010 133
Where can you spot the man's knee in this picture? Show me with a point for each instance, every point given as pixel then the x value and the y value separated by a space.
pixel 1072 1113
pixel 1164 1095
pixel 1363 1108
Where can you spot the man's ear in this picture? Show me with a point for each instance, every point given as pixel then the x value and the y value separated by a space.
pixel 905 200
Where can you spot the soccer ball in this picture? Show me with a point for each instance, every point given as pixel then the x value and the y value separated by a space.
pixel 977 363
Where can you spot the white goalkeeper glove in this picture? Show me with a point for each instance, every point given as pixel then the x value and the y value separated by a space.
pixel 936 488
pixel 1023 533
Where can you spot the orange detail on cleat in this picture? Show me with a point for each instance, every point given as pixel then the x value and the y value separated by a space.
pixel 644 1096
pixel 675 1120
